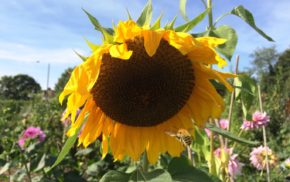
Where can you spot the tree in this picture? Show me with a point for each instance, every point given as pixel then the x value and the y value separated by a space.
pixel 18 87
pixel 263 61
pixel 63 80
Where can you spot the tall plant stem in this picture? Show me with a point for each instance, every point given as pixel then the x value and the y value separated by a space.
pixel 210 19
pixel 212 167
pixel 264 136
pixel 232 101
pixel 26 167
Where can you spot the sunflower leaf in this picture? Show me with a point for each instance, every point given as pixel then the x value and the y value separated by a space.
pixel 67 146
pixel 115 176
pixel 227 49
pixel 170 25
pixel 146 15
pixel 247 16
pixel 181 170
pixel 182 8
pixel 157 23
pixel 191 24
pixel 106 32
pixel 231 136
pixel 156 175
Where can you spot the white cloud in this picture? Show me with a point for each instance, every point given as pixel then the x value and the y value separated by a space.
pixel 26 53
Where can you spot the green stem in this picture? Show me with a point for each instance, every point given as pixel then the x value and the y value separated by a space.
pixel 232 101
pixel 210 19
pixel 212 168
pixel 145 162
pixel 264 136
pixel 26 168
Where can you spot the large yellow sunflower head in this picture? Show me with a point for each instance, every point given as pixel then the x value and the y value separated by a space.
pixel 141 84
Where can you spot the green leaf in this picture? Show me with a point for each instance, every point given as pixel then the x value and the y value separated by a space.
pixel 157 23
pixel 115 176
pixel 41 163
pixel 227 49
pixel 107 32
pixel 182 171
pixel 182 8
pixel 231 136
pixel 157 175
pixel 247 16
pixel 247 92
pixel 81 56
pixel 85 151
pixel 146 15
pixel 191 24
pixel 5 168
pixel 170 25
pixel 67 146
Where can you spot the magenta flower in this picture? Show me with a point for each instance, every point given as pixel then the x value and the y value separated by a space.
pixel 31 133
pixel 258 157
pixel 259 120
pixel 234 166
pixel 224 124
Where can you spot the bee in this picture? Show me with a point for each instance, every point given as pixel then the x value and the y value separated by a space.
pixel 181 135
pixel 185 138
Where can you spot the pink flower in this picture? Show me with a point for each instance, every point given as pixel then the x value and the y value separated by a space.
pixel 234 166
pixel 248 125
pixel 208 132
pixel 224 124
pixel 258 157
pixel 21 142
pixel 259 120
pixel 31 133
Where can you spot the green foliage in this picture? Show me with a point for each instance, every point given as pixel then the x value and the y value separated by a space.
pixel 247 16
pixel 106 32
pixel 231 136
pixel 146 15
pixel 227 49
pixel 18 87
pixel 192 23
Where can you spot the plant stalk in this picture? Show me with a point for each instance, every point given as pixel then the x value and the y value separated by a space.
pixel 210 19
pixel 232 100
pixel 264 135
pixel 26 168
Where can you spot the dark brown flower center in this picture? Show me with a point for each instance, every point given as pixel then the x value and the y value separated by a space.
pixel 144 91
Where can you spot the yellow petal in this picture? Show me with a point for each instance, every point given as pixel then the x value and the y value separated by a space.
pixel 126 30
pixel 211 41
pixel 120 51
pixel 152 40
pixel 105 146
pixel 182 41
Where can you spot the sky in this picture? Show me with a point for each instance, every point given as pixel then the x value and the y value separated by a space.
pixel 38 33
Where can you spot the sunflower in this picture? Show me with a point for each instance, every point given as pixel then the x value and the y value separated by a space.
pixel 141 84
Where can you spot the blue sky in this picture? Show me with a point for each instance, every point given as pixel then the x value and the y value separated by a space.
pixel 35 33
